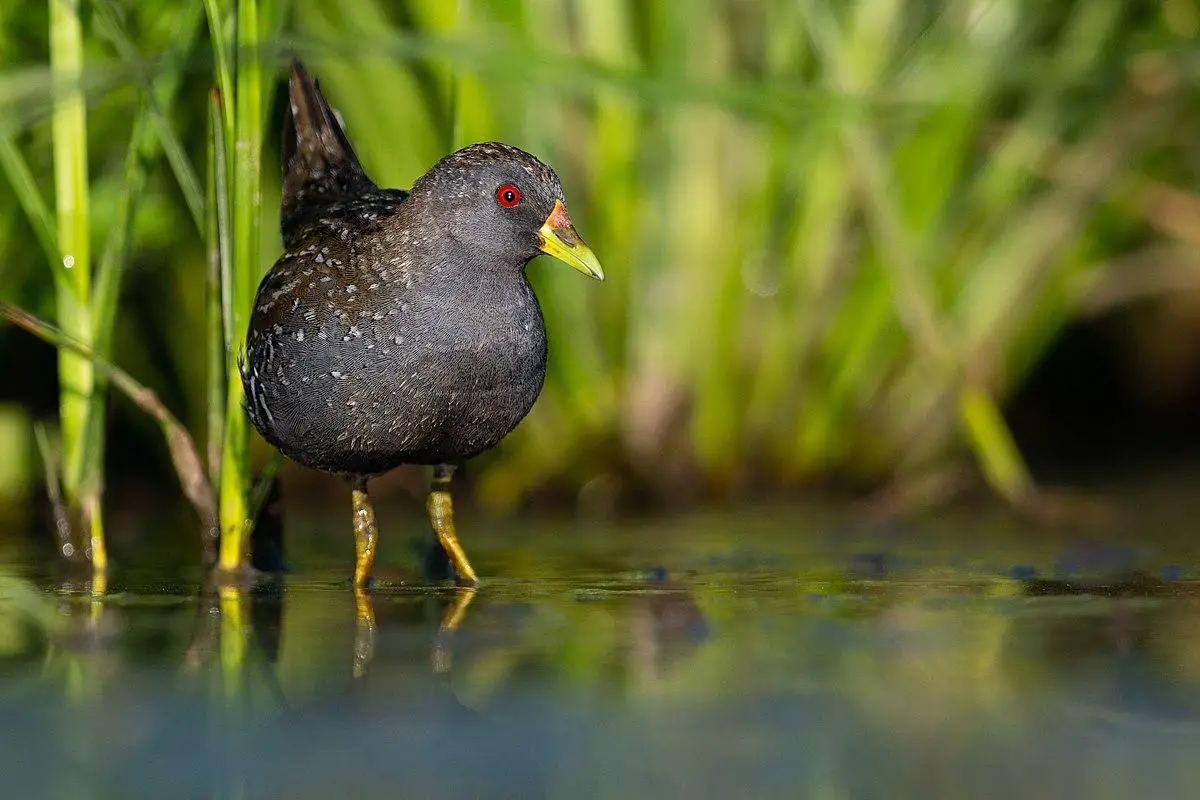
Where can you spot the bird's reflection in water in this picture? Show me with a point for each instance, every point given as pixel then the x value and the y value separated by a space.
pixel 400 719
pixel 398 724
pixel 284 689
pixel 366 629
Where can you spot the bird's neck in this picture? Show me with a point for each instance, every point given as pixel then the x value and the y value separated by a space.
pixel 455 247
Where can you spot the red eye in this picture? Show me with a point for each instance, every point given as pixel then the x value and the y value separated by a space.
pixel 508 195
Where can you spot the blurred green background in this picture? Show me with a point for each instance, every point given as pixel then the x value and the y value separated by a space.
pixel 840 237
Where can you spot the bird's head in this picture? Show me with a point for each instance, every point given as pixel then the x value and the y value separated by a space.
pixel 504 203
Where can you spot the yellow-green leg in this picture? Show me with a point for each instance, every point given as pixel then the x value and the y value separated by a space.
pixel 366 533
pixel 441 517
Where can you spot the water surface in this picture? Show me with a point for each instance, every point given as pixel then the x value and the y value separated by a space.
pixel 778 654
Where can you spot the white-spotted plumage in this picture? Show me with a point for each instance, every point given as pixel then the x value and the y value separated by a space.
pixel 399 326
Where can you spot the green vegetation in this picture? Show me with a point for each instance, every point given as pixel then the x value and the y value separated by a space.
pixel 839 234
pixel 237 135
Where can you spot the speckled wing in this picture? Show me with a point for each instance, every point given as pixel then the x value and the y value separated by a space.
pixel 309 295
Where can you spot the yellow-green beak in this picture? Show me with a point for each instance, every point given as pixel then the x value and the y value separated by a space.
pixel 560 240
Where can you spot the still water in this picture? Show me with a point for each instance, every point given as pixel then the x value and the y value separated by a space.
pixel 771 655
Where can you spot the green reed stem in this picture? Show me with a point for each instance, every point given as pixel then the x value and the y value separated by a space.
pixel 235 477
pixel 242 94
pixel 220 32
pixel 217 333
pixel 74 295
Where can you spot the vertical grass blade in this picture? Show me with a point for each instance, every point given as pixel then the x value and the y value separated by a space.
pixel 52 464
pixel 990 438
pixel 218 334
pixel 244 158
pixel 216 230
pixel 220 33
pixel 247 166
pixel 74 295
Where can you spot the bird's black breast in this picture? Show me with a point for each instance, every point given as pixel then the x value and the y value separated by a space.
pixel 362 356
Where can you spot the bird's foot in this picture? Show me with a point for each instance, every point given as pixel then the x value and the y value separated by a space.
pixel 365 583
pixel 466 581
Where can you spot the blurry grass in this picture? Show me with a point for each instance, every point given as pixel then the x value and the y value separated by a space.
pixel 86 301
pixel 185 457
pixel 839 235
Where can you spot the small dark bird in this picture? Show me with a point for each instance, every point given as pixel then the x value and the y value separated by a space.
pixel 399 327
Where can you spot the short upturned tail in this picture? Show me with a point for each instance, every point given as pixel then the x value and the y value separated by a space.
pixel 319 165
